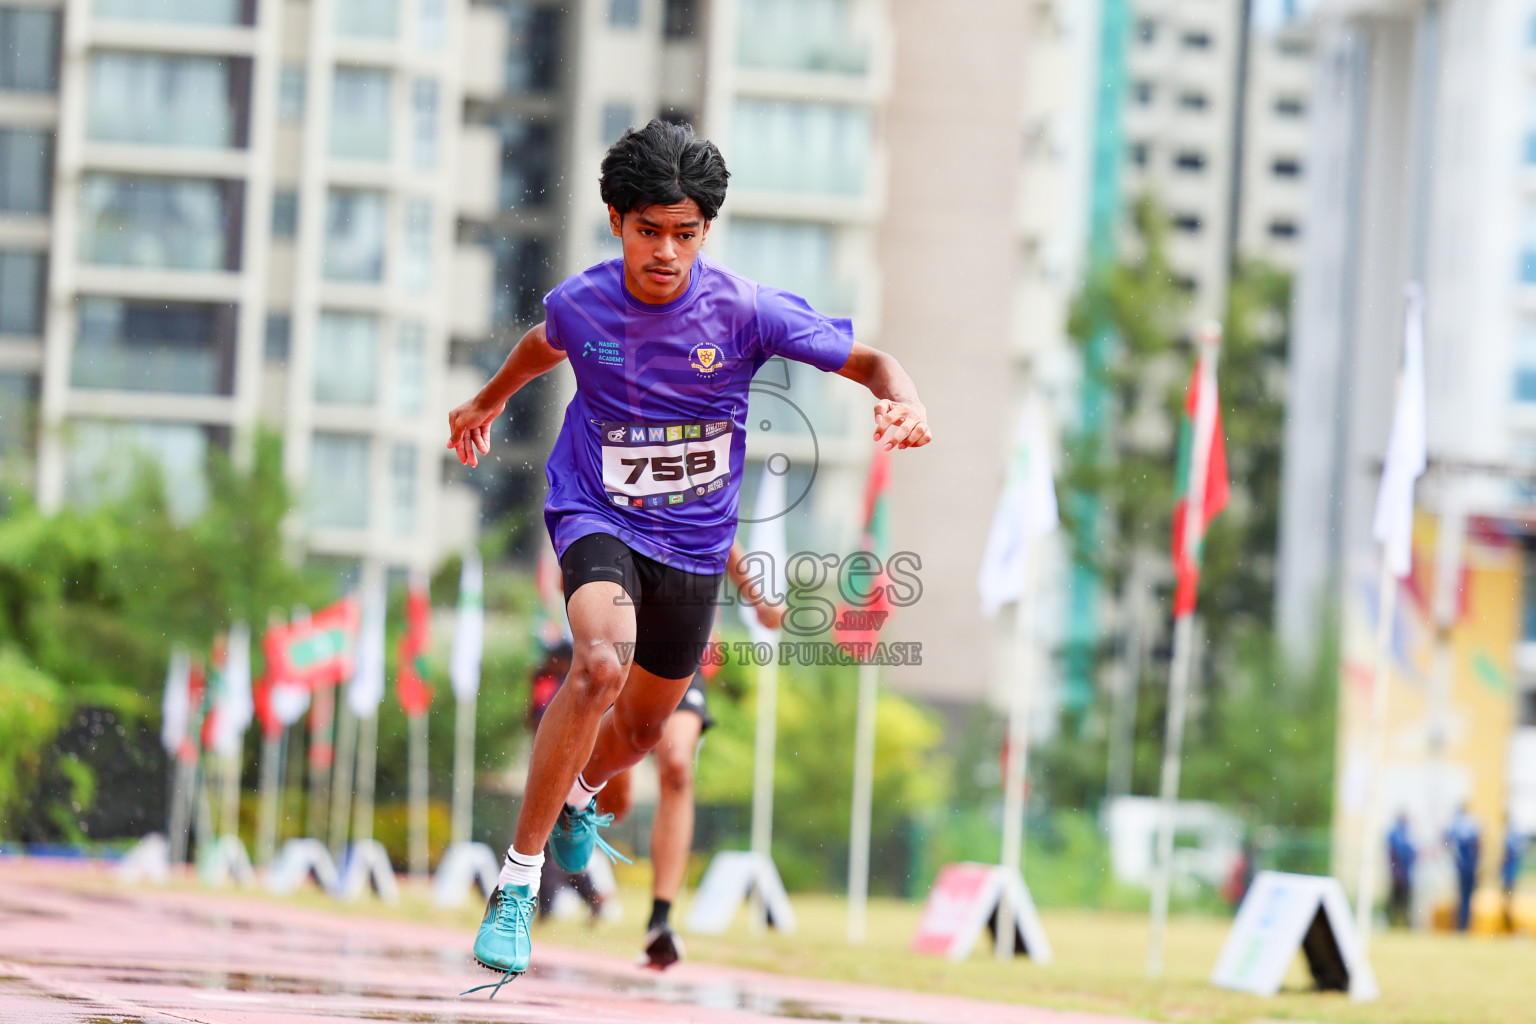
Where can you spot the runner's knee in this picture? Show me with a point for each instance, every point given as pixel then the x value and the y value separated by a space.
pixel 598 675
pixel 676 772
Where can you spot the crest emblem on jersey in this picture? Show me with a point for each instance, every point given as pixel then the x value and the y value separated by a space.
pixel 706 359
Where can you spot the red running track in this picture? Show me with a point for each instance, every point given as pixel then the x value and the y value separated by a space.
pixel 74 950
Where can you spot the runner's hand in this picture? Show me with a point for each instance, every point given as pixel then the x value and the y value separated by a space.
pixel 901 424
pixel 770 615
pixel 469 430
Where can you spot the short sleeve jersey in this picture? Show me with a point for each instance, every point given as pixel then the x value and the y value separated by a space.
pixel 653 444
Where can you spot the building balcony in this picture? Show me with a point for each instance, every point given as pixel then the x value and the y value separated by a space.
pixel 474 274
pixel 485 52
pixel 190 286
pixel 479 173
pixel 105 32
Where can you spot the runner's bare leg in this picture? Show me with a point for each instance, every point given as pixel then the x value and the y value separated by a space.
pixel 602 628
pixel 672 830
pixel 633 726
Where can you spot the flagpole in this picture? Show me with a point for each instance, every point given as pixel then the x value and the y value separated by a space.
pixel 1122 717
pixel 266 818
pixel 1202 446
pixel 1020 695
pixel 762 776
pixel 341 777
pixel 367 756
pixel 1365 885
pixel 863 800
pixel 417 756
pixel 463 769
pixel 321 713
pixel 229 804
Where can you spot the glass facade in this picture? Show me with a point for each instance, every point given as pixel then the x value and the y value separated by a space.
pixel 789 146
pixel 527 162
pixel 410 397
pixel 18 413
pixel 431 25
pixel 1525 363
pixel 794 255
pixel 346 358
pixel 22 298
pixel 416 247
pixel 360 114
pixel 799 35
pixel 161 100
pixel 354 236
pixel 290 92
pixel 424 104
pixel 339 481
pixel 194 12
pixel 367 19
pixel 161 223
pixel 141 345
pixel 533 46
pixel 521 266
pixel 402 489
pixel 104 457
pixel 29 49
pixel 26 171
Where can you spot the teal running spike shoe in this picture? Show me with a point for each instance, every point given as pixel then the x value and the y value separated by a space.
pixel 575 836
pixel 503 944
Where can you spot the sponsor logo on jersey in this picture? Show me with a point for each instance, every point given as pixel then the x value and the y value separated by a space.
pixel 619 499
pixel 691 430
pixel 654 502
pixel 657 433
pixel 674 499
pixel 674 433
pixel 706 359
pixel 715 429
pixel 639 503
pixel 715 485
pixel 616 434
pixel 698 490
pixel 637 434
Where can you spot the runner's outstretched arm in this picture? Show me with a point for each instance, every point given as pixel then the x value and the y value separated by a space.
pixel 901 420
pixel 469 425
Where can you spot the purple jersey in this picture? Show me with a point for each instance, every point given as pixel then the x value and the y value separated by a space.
pixel 653 444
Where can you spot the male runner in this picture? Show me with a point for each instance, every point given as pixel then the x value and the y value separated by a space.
pixel 672 827
pixel 644 480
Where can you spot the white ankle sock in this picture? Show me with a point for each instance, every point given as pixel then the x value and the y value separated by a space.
pixel 581 793
pixel 521 869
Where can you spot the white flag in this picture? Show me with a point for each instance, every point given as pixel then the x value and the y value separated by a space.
pixel 289 702
pixel 235 705
pixel 767 551
pixel 1025 510
pixel 366 690
pixel 469 636
pixel 1406 447
pixel 175 706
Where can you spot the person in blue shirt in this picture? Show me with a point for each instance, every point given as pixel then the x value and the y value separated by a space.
pixel 1465 839
pixel 1509 871
pixel 1400 857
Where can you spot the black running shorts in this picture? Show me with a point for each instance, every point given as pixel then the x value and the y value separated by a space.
pixel 674 610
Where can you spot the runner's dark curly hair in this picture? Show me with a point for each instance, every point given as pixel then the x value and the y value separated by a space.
pixel 662 164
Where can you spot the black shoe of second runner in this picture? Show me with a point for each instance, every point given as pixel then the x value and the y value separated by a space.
pixel 662 948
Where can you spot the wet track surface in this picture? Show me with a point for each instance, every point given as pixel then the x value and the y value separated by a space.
pixel 70 952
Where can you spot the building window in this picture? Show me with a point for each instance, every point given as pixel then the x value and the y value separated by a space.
pixel 160 100
pixel 410 396
pixel 339 482
pixel 1196 40
pixel 791 146
pixel 431 25
pixel 1144 92
pixel 1283 229
pixel 1146 31
pixel 354 236
pixel 29 49
pixel 290 92
pixel 1138 154
pixel 527 162
pixel 533 47
pixel 189 12
pixel 1286 167
pixel 22 301
pixel 346 358
pixel 797 256
pixel 360 114
pixel 424 105
pixel 18 413
pixel 680 19
pixel 104 455
pixel 800 35
pixel 1290 106
pixel 1193 101
pixel 522 271
pixel 160 223
pixel 366 19
pixel 617 119
pixel 279 337
pixel 416 252
pixel 180 348
pixel 623 13
pixel 402 489
pixel 1189 223
pixel 26 171
pixel 1189 160
pixel 285 213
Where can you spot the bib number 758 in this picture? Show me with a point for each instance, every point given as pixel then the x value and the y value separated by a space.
pixel 668 468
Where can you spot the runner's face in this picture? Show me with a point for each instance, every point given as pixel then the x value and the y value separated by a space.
pixel 660 245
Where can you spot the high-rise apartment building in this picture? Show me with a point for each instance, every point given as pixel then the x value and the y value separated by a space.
pixel 250 215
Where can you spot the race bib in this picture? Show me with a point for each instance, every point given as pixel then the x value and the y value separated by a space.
pixel 656 466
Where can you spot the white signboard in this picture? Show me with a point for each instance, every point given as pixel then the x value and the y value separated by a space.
pixel 462 864
pixel 298 860
pixel 149 860
pixel 368 864
pixel 731 877
pixel 226 859
pixel 1281 915
pixel 964 903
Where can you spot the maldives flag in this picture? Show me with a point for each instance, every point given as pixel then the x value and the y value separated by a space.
pixel 411 654
pixel 316 651
pixel 861 623
pixel 193 741
pixel 1203 468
